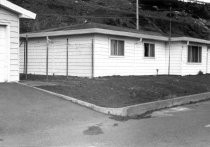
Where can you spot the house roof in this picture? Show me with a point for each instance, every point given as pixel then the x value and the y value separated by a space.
pixel 23 13
pixel 96 28
pixel 101 26
pixel 190 39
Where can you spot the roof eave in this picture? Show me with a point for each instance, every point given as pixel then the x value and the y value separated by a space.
pixel 23 13
pixel 112 32
pixel 92 31
pixel 32 16
pixel 190 39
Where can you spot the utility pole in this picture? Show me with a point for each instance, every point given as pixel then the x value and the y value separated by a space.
pixel 137 14
pixel 169 45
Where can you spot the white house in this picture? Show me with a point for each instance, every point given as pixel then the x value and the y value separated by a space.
pixel 9 39
pixel 94 50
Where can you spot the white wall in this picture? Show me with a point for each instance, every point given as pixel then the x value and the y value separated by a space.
pixel 194 68
pixel 175 58
pixel 80 52
pixel 36 56
pixel 132 63
pixel 149 66
pixel 105 65
pixel 11 19
pixel 80 48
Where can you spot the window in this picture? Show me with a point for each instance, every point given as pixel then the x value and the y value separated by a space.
pixel 194 54
pixel 149 50
pixel 117 48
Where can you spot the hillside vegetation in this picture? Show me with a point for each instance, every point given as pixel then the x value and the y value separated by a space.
pixel 187 19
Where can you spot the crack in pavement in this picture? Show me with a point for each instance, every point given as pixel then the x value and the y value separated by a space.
pixel 169 112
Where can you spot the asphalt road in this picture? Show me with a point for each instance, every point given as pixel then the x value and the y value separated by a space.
pixel 32 118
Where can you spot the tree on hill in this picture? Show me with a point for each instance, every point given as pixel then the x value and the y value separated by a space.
pixel 57 13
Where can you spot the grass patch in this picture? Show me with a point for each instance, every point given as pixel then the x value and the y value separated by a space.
pixel 120 91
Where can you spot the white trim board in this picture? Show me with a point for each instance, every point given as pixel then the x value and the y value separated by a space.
pixel 7 45
pixel 23 12
pixel 93 31
pixel 112 32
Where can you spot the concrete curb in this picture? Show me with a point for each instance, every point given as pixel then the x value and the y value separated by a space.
pixel 152 106
pixel 134 109
pixel 112 111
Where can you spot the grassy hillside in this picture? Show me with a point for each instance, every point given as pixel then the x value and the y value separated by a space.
pixel 188 19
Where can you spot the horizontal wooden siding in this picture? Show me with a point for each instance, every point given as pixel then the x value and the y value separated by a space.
pixel 12 19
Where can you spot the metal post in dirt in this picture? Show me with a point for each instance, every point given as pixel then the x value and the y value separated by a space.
pixel 67 58
pixel 47 57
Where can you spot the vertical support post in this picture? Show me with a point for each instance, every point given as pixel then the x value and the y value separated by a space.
pixel 182 59
pixel 47 57
pixel 169 46
pixel 93 48
pixel 67 58
pixel 26 58
pixel 207 60
pixel 137 14
pixel 24 54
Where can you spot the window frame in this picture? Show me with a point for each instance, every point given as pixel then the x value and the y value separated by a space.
pixel 110 48
pixel 149 57
pixel 199 61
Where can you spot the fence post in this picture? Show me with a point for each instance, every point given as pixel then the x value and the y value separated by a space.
pixel 67 58
pixel 47 53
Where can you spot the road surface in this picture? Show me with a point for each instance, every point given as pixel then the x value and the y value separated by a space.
pixel 32 118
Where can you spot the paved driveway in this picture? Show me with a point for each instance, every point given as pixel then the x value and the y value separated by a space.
pixel 30 117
